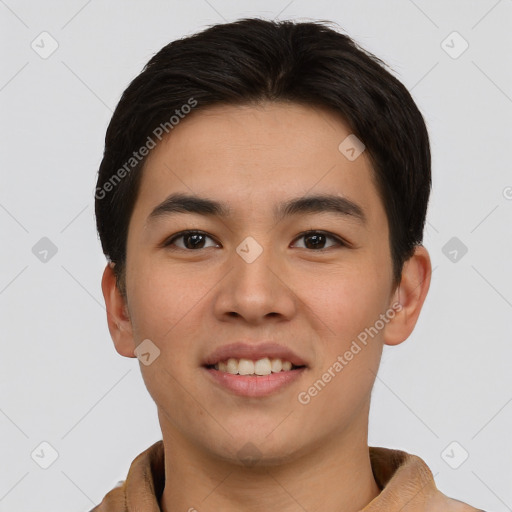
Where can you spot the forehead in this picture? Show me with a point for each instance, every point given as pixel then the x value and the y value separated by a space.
pixel 250 156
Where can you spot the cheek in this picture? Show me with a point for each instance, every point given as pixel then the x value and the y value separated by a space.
pixel 350 353
pixel 160 298
pixel 162 309
pixel 346 300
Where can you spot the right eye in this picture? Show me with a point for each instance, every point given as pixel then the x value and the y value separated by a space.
pixel 192 240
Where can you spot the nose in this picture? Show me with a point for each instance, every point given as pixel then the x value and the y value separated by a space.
pixel 255 290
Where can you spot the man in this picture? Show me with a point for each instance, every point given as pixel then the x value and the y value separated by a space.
pixel 261 201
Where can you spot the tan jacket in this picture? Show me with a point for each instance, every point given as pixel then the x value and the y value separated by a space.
pixel 406 484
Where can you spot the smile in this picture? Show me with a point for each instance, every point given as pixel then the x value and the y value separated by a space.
pixel 251 384
pixel 264 366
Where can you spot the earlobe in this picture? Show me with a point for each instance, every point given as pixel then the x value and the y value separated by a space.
pixel 119 323
pixel 409 296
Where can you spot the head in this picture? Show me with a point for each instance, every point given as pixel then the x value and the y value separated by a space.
pixel 252 115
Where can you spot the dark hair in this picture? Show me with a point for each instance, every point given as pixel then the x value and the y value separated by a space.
pixel 253 60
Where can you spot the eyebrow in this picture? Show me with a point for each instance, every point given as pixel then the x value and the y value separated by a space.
pixel 319 203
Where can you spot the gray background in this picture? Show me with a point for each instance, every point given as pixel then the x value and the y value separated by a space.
pixel 61 381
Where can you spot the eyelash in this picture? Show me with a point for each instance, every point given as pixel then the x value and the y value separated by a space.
pixel 182 234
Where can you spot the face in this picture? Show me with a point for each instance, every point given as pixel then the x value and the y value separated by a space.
pixel 310 280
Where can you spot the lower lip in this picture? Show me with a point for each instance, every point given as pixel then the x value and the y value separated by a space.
pixel 254 386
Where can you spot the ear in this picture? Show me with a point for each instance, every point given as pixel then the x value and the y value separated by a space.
pixel 410 294
pixel 118 319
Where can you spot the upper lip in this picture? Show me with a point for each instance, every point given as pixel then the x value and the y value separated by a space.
pixel 253 351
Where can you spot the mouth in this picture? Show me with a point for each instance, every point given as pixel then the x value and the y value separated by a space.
pixel 253 370
pixel 258 368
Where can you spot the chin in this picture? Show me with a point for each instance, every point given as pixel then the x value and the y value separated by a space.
pixel 253 449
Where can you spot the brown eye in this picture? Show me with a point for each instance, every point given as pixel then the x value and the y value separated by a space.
pixel 316 240
pixel 191 240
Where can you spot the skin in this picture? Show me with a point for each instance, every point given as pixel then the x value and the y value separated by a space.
pixel 190 301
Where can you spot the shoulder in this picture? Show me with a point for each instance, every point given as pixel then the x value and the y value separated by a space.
pixel 442 502
pixel 114 500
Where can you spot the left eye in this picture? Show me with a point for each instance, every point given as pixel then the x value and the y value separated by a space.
pixel 317 238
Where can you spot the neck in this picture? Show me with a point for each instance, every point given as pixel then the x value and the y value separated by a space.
pixel 334 475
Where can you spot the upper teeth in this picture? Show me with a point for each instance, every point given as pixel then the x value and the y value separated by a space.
pixel 263 366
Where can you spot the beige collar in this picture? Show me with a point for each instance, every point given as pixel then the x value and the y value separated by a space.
pixel 406 483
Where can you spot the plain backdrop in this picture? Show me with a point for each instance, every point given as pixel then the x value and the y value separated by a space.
pixel 444 394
